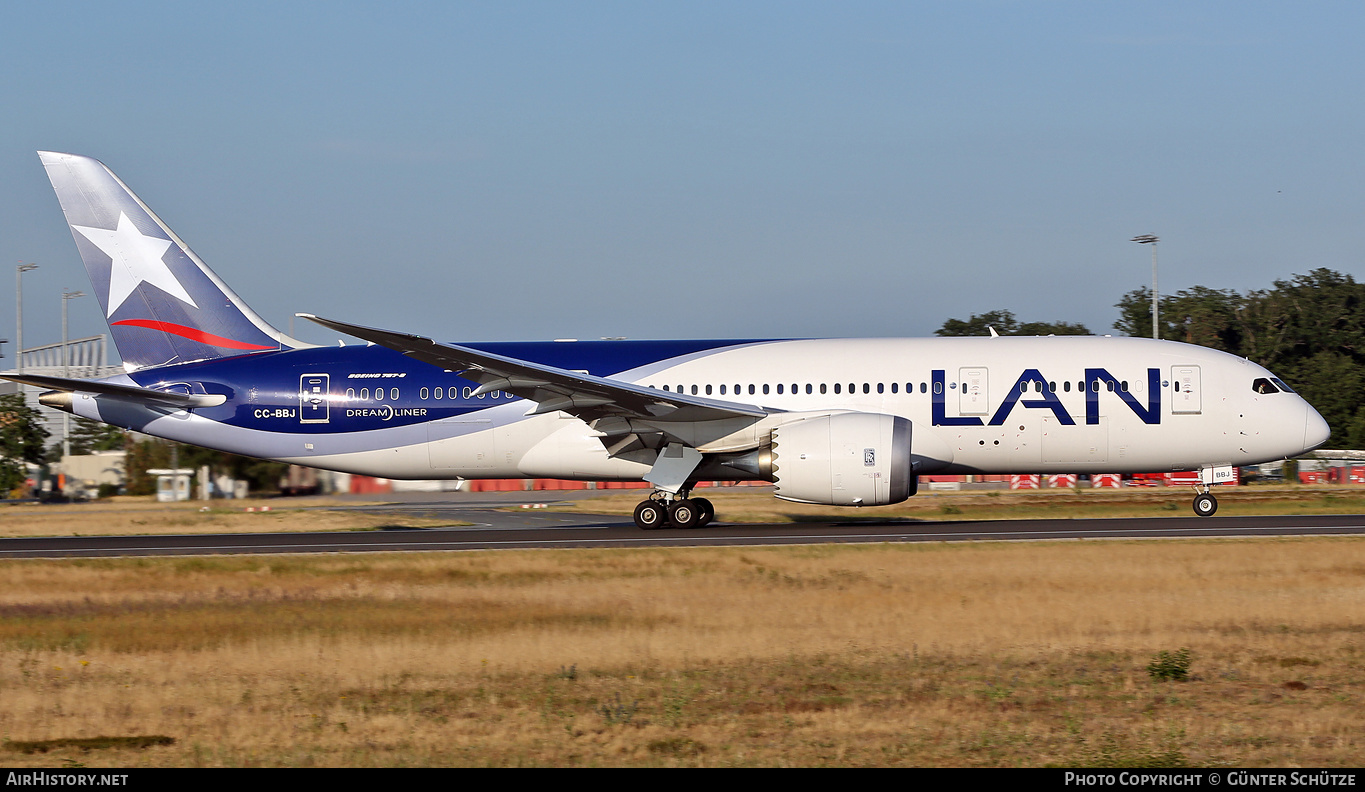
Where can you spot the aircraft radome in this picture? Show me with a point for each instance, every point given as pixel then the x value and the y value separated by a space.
pixel 847 422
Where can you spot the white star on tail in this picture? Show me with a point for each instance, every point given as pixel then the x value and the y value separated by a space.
pixel 136 259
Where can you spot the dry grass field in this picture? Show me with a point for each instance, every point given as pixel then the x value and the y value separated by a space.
pixel 973 654
pixel 747 505
pixel 132 516
pixel 138 515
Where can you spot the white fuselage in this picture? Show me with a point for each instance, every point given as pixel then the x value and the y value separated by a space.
pixel 977 405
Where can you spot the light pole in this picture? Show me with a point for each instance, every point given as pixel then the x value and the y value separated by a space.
pixel 1151 239
pixel 67 296
pixel 19 314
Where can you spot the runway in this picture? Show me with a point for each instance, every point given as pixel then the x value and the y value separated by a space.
pixel 489 528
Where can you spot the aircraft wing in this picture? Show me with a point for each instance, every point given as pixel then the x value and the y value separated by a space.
pixel 552 389
pixel 66 385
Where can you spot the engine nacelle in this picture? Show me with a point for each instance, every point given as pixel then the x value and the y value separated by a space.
pixel 846 459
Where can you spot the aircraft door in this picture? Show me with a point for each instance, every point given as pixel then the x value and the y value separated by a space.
pixel 314 404
pixel 972 397
pixel 1186 390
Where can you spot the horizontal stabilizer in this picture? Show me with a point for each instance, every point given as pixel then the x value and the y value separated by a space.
pixel 131 392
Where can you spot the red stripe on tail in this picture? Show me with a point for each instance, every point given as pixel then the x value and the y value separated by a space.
pixel 191 333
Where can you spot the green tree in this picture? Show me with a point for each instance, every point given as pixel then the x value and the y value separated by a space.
pixel 1052 328
pixel 1308 314
pixel 21 440
pixel 1004 323
pixel 1204 316
pixel 1135 314
pixel 88 436
pixel 1309 330
pixel 154 453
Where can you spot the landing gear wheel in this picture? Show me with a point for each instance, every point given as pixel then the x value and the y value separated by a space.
pixel 1205 504
pixel 650 516
pixel 708 512
pixel 684 514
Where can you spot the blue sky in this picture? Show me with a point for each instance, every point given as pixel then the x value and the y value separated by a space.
pixel 535 170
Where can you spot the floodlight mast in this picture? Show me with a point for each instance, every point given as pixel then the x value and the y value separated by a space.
pixel 1152 239
pixel 19 313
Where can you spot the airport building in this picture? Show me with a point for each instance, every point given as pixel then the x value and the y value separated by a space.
pixel 85 358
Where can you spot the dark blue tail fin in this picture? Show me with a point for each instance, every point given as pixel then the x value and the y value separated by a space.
pixel 162 303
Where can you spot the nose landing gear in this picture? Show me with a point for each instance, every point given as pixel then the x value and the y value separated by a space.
pixel 1205 504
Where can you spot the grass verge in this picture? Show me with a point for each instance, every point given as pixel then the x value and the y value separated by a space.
pixel 744 505
pixel 129 516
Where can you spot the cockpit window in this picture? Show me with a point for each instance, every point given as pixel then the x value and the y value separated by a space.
pixel 1281 384
pixel 1263 385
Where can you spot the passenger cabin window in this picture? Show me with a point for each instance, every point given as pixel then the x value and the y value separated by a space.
pixel 1263 385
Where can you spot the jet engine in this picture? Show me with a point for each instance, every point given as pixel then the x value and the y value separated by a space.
pixel 845 459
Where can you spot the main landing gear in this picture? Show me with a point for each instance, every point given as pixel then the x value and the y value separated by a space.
pixel 664 511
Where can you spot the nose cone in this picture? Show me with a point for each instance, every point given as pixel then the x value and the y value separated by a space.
pixel 1315 430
